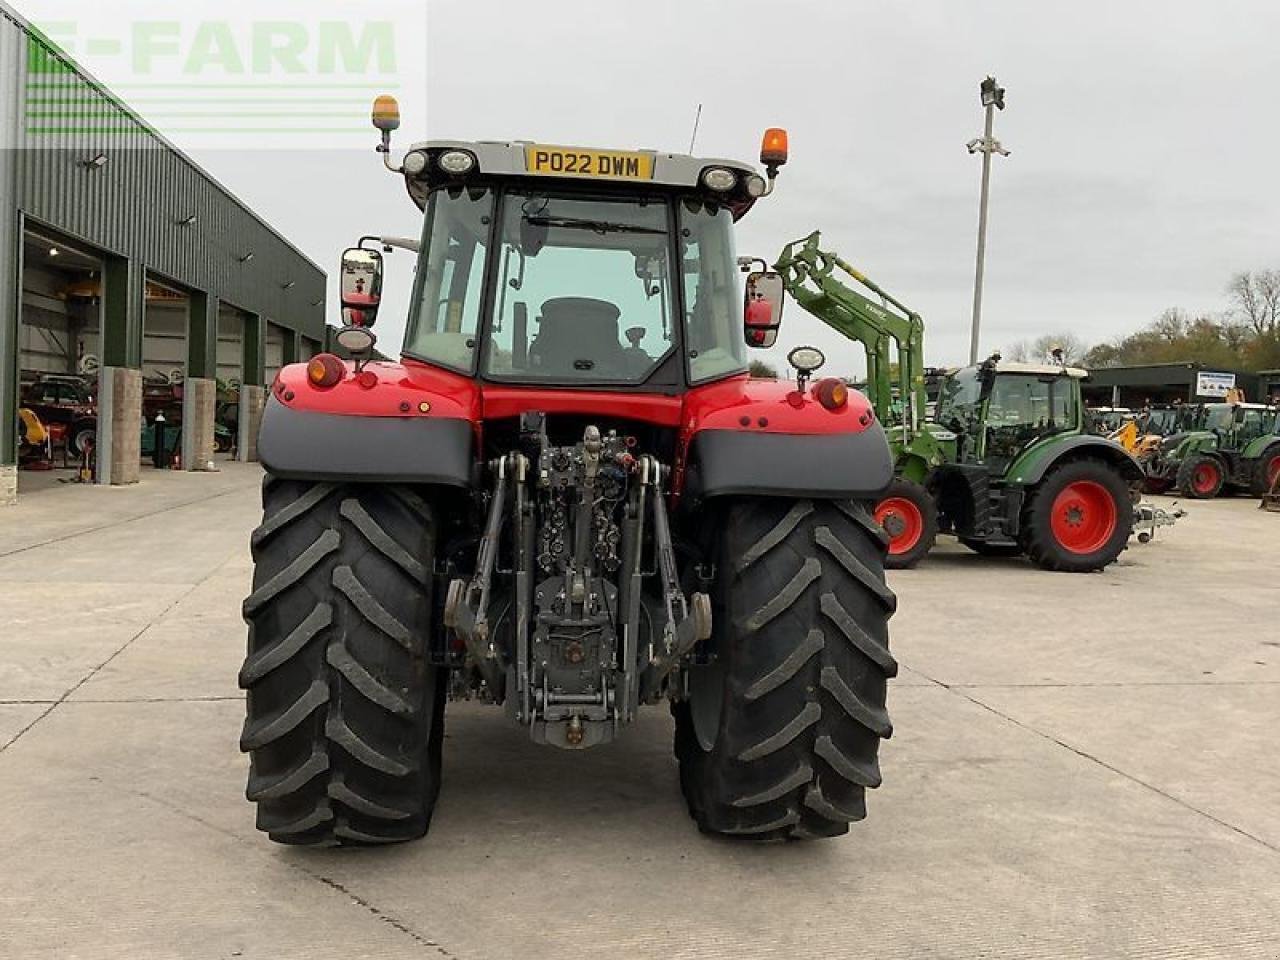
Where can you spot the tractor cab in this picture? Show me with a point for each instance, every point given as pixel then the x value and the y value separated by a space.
pixel 1251 421
pixel 581 268
pixel 999 409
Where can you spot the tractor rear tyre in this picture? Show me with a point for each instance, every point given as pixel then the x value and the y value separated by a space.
pixel 909 517
pixel 1200 477
pixel 1078 518
pixel 779 736
pixel 345 714
pixel 1266 471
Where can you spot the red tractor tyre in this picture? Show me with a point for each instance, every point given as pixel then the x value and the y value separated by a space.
pixel 779 735
pixel 909 517
pixel 345 713
pixel 1200 477
pixel 1078 518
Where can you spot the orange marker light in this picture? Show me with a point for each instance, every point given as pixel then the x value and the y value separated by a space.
pixel 386 113
pixel 324 370
pixel 832 393
pixel 773 148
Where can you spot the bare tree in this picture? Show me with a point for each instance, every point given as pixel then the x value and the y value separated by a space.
pixel 1072 347
pixel 1019 352
pixel 1041 349
pixel 1171 325
pixel 762 371
pixel 1256 298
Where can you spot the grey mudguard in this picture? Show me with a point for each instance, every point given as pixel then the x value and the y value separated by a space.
pixel 323 446
pixel 838 466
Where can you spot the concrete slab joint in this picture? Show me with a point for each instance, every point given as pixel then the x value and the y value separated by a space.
pixel 199 408
pixel 119 449
pixel 252 402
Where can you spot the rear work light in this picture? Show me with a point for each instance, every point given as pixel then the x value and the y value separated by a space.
pixel 719 179
pixel 324 370
pixel 456 162
pixel 832 393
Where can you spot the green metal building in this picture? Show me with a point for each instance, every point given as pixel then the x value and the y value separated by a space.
pixel 155 237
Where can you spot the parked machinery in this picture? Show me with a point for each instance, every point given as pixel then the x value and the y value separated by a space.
pixel 1007 465
pixel 1227 446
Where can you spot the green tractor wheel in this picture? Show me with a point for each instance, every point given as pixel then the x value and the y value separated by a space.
pixel 1200 477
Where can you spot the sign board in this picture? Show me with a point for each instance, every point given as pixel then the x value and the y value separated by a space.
pixel 1214 384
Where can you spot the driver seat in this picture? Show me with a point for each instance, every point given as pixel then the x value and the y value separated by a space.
pixel 576 328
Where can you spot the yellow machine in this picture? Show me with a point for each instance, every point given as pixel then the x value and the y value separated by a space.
pixel 35 444
pixel 1126 436
pixel 1142 446
pixel 33 436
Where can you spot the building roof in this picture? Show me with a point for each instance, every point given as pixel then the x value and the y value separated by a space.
pixel 102 89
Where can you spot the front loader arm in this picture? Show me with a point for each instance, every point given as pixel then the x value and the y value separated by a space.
pixel 808 273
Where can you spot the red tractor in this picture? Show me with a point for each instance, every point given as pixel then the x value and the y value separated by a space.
pixel 568 499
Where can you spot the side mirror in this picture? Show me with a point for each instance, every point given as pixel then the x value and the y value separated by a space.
pixel 762 310
pixel 361 286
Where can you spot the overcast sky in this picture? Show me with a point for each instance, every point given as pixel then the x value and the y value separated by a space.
pixel 1142 135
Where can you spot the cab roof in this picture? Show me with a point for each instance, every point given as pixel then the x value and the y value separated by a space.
pixel 516 158
pixel 1040 369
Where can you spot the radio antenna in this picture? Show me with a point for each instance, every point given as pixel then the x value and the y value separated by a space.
pixel 697 117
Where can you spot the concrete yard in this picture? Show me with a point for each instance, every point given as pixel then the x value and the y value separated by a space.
pixel 1083 766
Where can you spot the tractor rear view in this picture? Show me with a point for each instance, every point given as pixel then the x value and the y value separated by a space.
pixel 1007 463
pixel 567 499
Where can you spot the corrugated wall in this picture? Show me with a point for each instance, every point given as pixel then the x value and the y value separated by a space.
pixel 12 63
pixel 132 206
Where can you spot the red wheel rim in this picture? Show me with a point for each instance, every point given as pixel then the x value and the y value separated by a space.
pixel 1205 478
pixel 1273 471
pixel 903 522
pixel 1084 517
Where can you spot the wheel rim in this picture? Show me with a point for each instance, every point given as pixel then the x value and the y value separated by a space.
pixel 902 521
pixel 1205 478
pixel 1273 472
pixel 1084 517
pixel 82 440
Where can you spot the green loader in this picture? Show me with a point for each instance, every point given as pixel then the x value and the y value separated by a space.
pixel 1006 464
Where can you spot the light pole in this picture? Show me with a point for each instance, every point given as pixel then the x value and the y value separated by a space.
pixel 992 97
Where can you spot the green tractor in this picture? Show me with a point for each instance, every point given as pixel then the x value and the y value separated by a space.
pixel 1007 463
pixel 1230 445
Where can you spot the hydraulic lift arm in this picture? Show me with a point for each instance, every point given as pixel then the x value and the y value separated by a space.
pixel 808 272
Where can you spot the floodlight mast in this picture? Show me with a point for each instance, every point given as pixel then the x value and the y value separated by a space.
pixel 992 95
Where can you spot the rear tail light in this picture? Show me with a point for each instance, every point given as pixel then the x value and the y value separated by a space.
pixel 832 393
pixel 325 370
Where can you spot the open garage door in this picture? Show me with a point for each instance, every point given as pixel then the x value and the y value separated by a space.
pixel 165 350
pixel 58 356
pixel 231 330
pixel 274 358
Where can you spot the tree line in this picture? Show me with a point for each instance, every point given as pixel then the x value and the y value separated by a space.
pixel 1244 336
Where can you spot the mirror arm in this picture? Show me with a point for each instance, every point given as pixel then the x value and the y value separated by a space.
pixel 384 148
